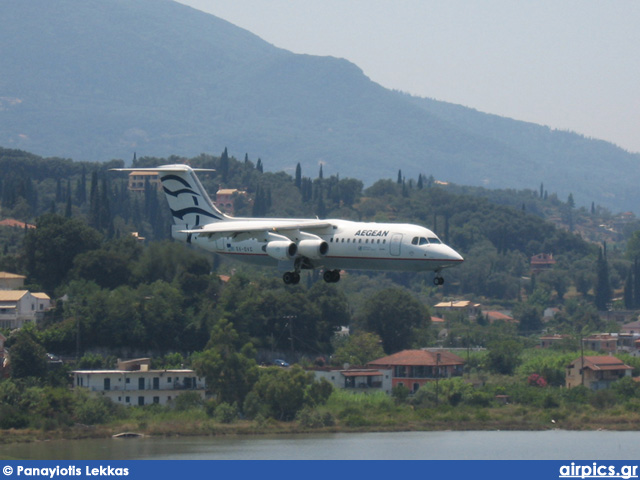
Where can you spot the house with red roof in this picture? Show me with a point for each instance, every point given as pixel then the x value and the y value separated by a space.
pixel 415 368
pixel 596 373
pixel 542 262
pixel 495 316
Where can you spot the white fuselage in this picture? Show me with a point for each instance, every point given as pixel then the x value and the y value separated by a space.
pixel 352 245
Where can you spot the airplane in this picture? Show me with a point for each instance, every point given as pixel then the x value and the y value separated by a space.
pixel 297 244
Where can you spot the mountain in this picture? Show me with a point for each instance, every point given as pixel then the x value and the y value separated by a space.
pixel 100 79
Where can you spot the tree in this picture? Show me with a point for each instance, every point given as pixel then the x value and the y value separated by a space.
pixel 28 358
pixel 230 369
pixel 224 165
pixel 603 291
pixel 281 393
pixel 109 269
pixel 51 248
pixel 629 303
pixel 358 349
pixel 298 180
pixel 395 316
pixel 504 356
pixel 529 316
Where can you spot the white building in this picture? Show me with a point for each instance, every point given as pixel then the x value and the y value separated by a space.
pixel 18 307
pixel 357 379
pixel 134 383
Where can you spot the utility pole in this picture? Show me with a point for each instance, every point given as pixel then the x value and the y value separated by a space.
pixel 437 378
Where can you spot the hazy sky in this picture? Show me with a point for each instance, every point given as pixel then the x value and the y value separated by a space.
pixel 568 64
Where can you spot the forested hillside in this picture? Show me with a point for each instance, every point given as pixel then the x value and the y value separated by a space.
pixel 121 296
pixel 101 79
pixel 82 248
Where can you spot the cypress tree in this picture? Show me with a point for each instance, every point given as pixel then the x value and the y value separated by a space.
pixel 603 291
pixel 628 292
pixel 67 210
pixel 224 165
pixel 94 202
pixel 636 283
pixel 298 176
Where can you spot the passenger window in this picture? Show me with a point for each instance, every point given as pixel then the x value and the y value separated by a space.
pixel 434 240
pixel 343 240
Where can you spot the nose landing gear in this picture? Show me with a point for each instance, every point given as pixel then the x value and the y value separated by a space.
pixel 438 280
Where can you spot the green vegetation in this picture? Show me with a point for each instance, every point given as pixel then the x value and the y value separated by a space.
pixel 119 297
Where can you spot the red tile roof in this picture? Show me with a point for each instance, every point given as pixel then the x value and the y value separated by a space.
pixel 418 358
pixel 602 363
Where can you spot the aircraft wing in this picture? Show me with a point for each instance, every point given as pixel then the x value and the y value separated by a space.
pixel 239 229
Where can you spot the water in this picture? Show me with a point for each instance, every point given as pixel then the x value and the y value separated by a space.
pixel 494 445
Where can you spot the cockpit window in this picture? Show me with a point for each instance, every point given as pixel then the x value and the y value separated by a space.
pixel 434 240
pixel 422 241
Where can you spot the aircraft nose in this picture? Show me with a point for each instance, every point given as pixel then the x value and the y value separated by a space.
pixel 452 255
pixel 456 256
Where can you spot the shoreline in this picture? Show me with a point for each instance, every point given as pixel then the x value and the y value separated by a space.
pixel 209 428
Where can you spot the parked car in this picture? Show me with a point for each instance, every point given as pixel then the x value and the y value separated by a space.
pixel 280 363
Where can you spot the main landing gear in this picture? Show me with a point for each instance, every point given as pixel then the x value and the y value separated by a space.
pixel 438 280
pixel 291 278
pixel 331 276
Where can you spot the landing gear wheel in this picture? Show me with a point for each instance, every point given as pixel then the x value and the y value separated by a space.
pixel 331 276
pixel 291 278
pixel 438 281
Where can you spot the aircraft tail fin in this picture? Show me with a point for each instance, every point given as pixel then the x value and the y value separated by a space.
pixel 188 200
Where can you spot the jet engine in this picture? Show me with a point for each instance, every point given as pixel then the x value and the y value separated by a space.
pixel 281 249
pixel 313 248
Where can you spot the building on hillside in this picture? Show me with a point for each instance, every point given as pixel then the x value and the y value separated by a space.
pixel 226 199
pixel 11 281
pixel 357 379
pixel 631 328
pixel 137 181
pixel 133 382
pixel 547 341
pixel 495 316
pixel 13 223
pixel 415 368
pixel 463 306
pixel 619 316
pixel 602 342
pixel 541 262
pixel 629 343
pixel 597 373
pixel 18 307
